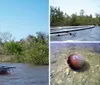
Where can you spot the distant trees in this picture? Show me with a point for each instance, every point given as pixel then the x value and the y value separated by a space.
pixel 97 18
pixel 56 16
pixel 59 18
pixel 33 49
pixel 41 37
pixel 81 12
pixel 5 36
pixel 12 48
pixel 73 19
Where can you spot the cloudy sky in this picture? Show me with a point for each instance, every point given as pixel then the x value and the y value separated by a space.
pixel 74 6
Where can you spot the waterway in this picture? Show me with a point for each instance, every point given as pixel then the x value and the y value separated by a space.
pixel 25 74
pixel 92 34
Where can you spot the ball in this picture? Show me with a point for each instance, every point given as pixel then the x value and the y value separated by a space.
pixel 76 61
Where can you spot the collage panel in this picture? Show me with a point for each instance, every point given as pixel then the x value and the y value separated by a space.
pixel 74 42
pixel 24 42
pixel 74 63
pixel 74 20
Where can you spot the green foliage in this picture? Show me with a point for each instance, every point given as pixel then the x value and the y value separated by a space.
pixel 58 18
pixel 11 48
pixel 37 54
pixel 33 49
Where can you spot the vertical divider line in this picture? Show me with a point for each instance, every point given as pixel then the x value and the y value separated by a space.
pixel 49 35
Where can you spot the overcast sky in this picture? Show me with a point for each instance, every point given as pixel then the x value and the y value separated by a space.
pixel 74 6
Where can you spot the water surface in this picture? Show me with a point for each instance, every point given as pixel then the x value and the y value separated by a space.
pixel 82 35
pixel 25 74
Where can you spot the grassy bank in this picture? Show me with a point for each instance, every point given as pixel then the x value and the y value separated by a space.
pixel 22 59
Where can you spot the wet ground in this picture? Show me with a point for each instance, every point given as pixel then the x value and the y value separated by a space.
pixel 62 74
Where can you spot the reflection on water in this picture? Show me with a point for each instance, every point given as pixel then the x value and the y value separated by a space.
pixel 25 74
pixel 87 35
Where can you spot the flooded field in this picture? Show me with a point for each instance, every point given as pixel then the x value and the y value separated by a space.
pixel 25 74
pixel 82 35
pixel 62 74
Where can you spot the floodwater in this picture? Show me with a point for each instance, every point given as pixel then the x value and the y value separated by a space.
pixel 62 74
pixel 82 35
pixel 25 74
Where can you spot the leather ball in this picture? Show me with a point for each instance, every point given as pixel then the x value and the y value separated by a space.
pixel 76 61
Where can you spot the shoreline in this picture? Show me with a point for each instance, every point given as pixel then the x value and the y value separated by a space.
pixel 69 27
pixel 9 59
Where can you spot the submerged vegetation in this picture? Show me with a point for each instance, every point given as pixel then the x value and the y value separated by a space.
pixel 59 18
pixel 33 49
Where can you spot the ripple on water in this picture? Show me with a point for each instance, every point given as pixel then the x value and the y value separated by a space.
pixel 25 74
pixel 82 35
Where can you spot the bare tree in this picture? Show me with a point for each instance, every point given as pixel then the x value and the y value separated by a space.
pixel 5 36
pixel 81 12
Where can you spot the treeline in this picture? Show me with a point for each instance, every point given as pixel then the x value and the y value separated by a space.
pixel 59 18
pixel 33 49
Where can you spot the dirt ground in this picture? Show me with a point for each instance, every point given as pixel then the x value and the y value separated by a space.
pixel 62 74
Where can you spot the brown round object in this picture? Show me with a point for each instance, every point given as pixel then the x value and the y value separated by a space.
pixel 76 61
